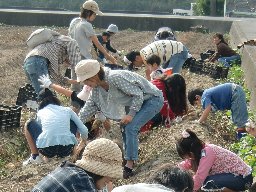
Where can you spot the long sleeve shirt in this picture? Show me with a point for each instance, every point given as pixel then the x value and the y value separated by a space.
pixel 55 121
pixel 223 50
pixel 61 49
pixel 216 160
pixel 126 89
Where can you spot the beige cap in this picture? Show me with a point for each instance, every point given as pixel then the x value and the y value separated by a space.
pixel 102 157
pixel 93 6
pixel 86 69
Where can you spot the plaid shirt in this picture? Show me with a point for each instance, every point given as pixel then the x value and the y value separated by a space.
pixel 68 177
pixel 61 49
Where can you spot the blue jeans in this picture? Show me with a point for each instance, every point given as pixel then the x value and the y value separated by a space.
pixel 227 180
pixel 148 110
pixel 35 129
pixel 177 60
pixel 227 61
pixel 34 67
pixel 239 107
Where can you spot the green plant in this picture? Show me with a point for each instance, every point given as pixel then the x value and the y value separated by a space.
pixel 246 149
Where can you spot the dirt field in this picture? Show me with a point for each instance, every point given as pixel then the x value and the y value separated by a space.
pixel 156 147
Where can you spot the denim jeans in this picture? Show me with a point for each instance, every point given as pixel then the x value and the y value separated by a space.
pixel 34 67
pixel 148 110
pixel 228 180
pixel 177 60
pixel 35 128
pixel 227 61
pixel 239 107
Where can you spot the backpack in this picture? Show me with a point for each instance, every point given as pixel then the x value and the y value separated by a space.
pixel 40 36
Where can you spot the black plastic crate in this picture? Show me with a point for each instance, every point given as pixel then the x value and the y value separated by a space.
pixel 211 69
pixel 10 116
pixel 25 93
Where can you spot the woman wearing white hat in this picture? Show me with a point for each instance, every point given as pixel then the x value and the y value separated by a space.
pixel 100 164
pixel 82 31
pixel 119 89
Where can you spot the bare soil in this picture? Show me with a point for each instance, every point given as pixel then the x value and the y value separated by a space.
pixel 156 147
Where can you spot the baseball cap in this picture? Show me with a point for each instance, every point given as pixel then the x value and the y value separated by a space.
pixel 93 6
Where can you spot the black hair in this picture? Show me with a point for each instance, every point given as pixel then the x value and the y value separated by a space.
pixel 165 35
pixel 192 95
pixel 47 97
pixel 131 56
pixel 86 13
pixel 176 93
pixel 105 33
pixel 221 37
pixel 173 178
pixel 153 59
pixel 191 144
pixel 75 101
pixel 94 176
pixel 101 74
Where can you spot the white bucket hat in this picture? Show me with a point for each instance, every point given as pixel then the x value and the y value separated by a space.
pixel 93 6
pixel 86 69
pixel 102 157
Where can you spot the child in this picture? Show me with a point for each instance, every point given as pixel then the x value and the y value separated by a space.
pixel 228 96
pixel 155 68
pixel 215 168
pixel 173 88
pixel 50 134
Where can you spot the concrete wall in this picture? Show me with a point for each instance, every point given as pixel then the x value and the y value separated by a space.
pixel 142 22
pixel 240 32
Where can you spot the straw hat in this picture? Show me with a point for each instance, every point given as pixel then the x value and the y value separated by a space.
pixel 102 157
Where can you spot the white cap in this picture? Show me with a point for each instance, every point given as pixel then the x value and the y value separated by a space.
pixel 112 28
pixel 86 69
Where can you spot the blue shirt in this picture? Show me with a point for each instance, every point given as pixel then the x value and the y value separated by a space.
pixel 55 121
pixel 68 177
pixel 219 97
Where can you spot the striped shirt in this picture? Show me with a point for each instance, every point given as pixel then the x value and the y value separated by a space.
pixel 162 48
pixel 61 49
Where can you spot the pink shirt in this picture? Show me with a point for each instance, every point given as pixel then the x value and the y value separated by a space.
pixel 216 160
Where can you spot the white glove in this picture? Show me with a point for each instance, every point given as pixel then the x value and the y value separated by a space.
pixel 45 81
pixel 119 53
pixel 100 116
pixel 178 119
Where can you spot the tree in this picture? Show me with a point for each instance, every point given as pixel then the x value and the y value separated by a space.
pixel 202 7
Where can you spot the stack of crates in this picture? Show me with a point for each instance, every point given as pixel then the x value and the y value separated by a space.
pixel 10 116
pixel 26 92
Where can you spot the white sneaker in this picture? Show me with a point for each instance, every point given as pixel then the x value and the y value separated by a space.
pixel 30 160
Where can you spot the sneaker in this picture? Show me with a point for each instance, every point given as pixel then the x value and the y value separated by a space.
pixel 30 160
pixel 127 172
pixel 239 135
